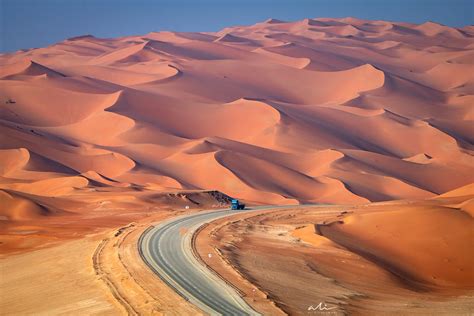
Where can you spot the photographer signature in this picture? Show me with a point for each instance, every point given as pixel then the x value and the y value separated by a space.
pixel 321 307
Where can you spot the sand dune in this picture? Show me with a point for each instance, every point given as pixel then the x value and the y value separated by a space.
pixel 319 110
pixel 16 208
pixel 32 69
pixel 430 250
pixel 397 257
pixel 299 63
pixel 35 106
pixel 232 39
pixel 12 160
pixel 48 187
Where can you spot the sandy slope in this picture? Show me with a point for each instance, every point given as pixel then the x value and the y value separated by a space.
pixel 427 245
pixel 147 110
pixel 390 258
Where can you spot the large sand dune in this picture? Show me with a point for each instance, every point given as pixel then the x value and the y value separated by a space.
pixel 319 110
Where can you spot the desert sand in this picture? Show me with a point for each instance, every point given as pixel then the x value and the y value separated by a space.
pixel 426 245
pixel 399 257
pixel 99 133
pixel 319 110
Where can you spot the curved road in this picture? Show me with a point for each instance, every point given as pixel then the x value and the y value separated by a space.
pixel 167 250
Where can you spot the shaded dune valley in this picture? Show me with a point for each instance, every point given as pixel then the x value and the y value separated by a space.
pixel 98 133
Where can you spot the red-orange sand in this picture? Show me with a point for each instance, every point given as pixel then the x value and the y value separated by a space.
pixel 94 133
pixel 318 110
pixel 397 257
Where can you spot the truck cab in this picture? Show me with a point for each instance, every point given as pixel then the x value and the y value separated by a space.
pixel 236 205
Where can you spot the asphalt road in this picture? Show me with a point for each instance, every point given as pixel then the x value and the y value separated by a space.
pixel 167 250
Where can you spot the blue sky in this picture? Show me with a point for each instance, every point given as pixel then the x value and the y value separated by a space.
pixel 38 23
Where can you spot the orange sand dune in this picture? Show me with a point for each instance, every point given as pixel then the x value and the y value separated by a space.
pixel 16 208
pixel 427 246
pixel 28 69
pixel 36 106
pixel 48 187
pixel 319 110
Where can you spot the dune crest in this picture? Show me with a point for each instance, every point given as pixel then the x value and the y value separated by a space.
pixel 318 110
pixel 273 21
pixel 48 187
pixel 32 69
pixel 16 208
pixel 12 160
pixel 231 39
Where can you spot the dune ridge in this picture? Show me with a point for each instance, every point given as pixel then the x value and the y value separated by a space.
pixel 318 110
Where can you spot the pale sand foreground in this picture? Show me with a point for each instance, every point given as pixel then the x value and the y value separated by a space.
pixel 30 285
pixel 275 259
pixel 84 260
pixel 101 274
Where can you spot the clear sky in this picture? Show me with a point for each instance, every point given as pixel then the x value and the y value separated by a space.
pixel 38 23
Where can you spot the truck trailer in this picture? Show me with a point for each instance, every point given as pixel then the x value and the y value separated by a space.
pixel 236 205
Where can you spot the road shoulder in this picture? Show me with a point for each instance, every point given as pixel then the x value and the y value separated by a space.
pixel 206 250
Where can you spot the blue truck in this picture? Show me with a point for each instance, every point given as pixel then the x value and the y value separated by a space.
pixel 236 205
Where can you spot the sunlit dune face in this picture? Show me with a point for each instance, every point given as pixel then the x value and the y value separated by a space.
pixel 250 111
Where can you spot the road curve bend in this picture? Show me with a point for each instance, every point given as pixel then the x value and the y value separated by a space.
pixel 167 250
